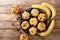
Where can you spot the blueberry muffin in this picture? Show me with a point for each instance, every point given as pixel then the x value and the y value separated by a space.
pixel 24 37
pixel 33 21
pixel 25 15
pixel 25 25
pixel 41 26
pixel 42 17
pixel 32 31
pixel 35 12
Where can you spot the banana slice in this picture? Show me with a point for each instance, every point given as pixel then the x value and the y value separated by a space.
pixel 43 8
pixel 51 7
pixel 45 33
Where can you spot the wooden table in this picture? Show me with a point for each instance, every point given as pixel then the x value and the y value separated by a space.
pixel 8 22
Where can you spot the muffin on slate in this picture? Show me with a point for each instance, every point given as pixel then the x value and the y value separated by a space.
pixel 25 25
pixel 32 31
pixel 25 15
pixel 35 12
pixel 33 21
pixel 41 26
pixel 42 17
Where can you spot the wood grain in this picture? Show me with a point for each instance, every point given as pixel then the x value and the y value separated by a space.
pixel 9 35
pixel 8 19
pixel 14 35
pixel 9 25
pixel 15 24
pixel 7 8
pixel 11 17
pixel 23 2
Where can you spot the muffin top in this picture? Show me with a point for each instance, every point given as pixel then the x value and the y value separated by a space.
pixel 41 26
pixel 32 30
pixel 25 25
pixel 25 15
pixel 42 17
pixel 35 12
pixel 33 21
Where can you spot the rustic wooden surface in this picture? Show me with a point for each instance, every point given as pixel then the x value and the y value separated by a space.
pixel 8 22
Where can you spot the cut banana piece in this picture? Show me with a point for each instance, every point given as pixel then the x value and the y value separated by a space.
pixel 45 33
pixel 43 8
pixel 51 7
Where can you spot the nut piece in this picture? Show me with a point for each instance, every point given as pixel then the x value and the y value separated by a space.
pixel 25 25
pixel 33 21
pixel 15 9
pixel 35 12
pixel 24 37
pixel 33 30
pixel 42 17
pixel 41 26
pixel 25 15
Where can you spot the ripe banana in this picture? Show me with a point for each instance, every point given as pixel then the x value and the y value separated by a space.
pixel 45 33
pixel 43 8
pixel 51 7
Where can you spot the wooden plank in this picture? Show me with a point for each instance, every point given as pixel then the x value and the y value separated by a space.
pixel 21 2
pixel 24 4
pixel 14 35
pixel 9 35
pixel 58 13
pixel 51 36
pixel 57 23
pixel 7 9
pixel 8 38
pixel 57 17
pixel 13 25
pixel 54 35
pixel 11 17
pixel 9 25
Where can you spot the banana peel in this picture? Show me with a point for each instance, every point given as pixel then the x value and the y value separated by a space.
pixel 51 7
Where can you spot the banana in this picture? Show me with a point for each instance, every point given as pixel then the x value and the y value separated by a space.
pixel 51 7
pixel 43 8
pixel 45 33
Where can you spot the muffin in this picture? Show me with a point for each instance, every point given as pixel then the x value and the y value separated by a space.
pixel 33 21
pixel 15 9
pixel 24 37
pixel 25 25
pixel 41 26
pixel 32 31
pixel 35 12
pixel 25 15
pixel 42 17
